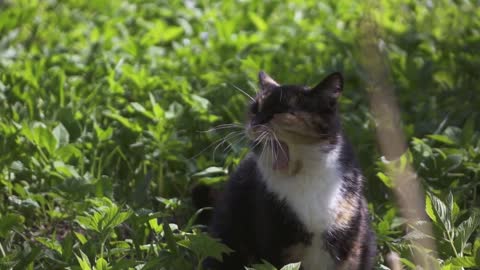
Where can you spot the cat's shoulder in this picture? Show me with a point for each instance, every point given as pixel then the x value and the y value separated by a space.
pixel 347 157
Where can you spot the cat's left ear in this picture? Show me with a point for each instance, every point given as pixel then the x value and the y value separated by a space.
pixel 331 86
pixel 266 82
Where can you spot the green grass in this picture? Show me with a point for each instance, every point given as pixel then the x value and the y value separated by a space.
pixel 103 105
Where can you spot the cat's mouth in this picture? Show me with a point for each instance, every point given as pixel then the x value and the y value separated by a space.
pixel 281 155
pixel 270 147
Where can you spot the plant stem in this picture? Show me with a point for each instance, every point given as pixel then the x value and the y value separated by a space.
pixel 2 250
pixel 199 264
pixel 450 240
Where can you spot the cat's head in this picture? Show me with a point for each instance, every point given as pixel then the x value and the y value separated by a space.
pixel 281 115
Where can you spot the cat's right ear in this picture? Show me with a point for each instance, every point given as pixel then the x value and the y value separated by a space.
pixel 331 86
pixel 266 82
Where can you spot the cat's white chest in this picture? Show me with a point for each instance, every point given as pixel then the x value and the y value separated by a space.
pixel 316 258
pixel 312 193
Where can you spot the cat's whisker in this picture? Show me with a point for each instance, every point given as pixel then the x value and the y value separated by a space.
pixel 260 138
pixel 245 93
pixel 224 126
pixel 273 149
pixel 256 143
pixel 267 144
pixel 265 153
pixel 279 144
pixel 264 144
pixel 211 144
pixel 219 141
pixel 205 149
pixel 230 145
pixel 228 136
pixel 233 139
pixel 267 128
pixel 231 135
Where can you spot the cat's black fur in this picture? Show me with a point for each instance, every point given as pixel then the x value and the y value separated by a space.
pixel 257 224
pixel 253 221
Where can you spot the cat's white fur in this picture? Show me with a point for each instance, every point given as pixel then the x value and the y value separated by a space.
pixel 312 193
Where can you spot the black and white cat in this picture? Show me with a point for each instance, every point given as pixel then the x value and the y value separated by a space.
pixel 298 196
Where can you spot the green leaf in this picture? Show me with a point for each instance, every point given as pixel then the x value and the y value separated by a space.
pixel 157 228
pixel 46 139
pixel 264 266
pixel 103 134
pixel 476 250
pixel 104 217
pixel 258 21
pixel 442 213
pixel 205 246
pixel 52 244
pixel 40 136
pixel 193 219
pixel 468 130
pixel 17 166
pixel 67 246
pixel 211 171
pixel 453 207
pixel 292 266
pixel 209 181
pixel 385 179
pixel 408 263
pixel 160 33
pixel 83 261
pixel 133 126
pixel 66 170
pixel 463 262
pixel 199 103
pixel 429 209
pixel 101 264
pixel 89 222
pixel 81 238
pixel 450 267
pixel 476 244
pixel 65 153
pixel 28 256
pixel 61 135
pixel 10 222
pixel 466 229
pixel 477 256
pixel 441 138
pixel 139 108
pixel 422 147
pixel 171 243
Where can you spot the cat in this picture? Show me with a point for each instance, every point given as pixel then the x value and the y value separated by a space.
pixel 298 196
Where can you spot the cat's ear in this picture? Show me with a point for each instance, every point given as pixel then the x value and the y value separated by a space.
pixel 331 86
pixel 266 82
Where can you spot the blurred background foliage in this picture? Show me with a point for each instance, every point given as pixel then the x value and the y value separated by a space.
pixel 104 107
